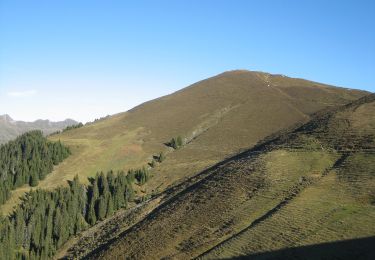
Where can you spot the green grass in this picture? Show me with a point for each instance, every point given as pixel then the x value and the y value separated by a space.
pixel 293 192
pixel 324 212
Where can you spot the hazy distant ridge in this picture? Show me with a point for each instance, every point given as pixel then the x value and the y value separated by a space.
pixel 10 129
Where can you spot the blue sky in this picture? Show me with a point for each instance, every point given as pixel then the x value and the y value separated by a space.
pixel 86 59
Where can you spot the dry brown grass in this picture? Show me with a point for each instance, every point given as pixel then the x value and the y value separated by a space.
pixel 294 191
pixel 224 114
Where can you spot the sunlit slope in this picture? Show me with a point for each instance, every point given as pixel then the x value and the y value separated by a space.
pixel 311 186
pixel 218 117
pixel 222 115
pixel 340 206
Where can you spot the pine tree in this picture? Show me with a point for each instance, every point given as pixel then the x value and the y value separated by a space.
pixel 101 208
pixel 58 225
pixel 20 227
pixel 91 215
pixel 94 191
pixel 111 178
pixel 110 208
pixel 34 179
pixel 103 185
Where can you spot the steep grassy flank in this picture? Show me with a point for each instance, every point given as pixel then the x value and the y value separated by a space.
pixel 220 205
pixel 310 186
pixel 217 117
pixel 222 115
pixel 324 212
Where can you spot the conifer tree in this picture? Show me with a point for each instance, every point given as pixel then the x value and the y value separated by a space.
pixel 34 179
pixel 110 208
pixel 101 209
pixel 91 215
pixel 45 220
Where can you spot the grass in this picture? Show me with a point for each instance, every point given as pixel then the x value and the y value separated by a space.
pixel 91 153
pixel 218 117
pixel 224 204
pixel 324 212
pixel 294 191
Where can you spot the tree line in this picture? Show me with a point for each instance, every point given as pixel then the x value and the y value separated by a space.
pixel 26 160
pixel 45 220
pixel 79 125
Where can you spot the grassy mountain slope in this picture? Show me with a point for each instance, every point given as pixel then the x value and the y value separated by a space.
pixel 217 117
pixel 222 115
pixel 10 129
pixel 313 185
pixel 239 108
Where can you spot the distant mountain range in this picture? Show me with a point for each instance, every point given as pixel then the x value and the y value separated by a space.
pixel 10 129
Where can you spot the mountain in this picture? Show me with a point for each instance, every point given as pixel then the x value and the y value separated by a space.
pixel 248 147
pixel 294 195
pixel 10 129
pixel 218 118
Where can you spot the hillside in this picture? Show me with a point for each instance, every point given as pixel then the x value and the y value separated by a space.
pixel 10 129
pixel 308 193
pixel 218 117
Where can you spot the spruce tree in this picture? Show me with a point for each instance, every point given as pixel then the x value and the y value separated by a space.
pixel 101 208
pixel 34 179
pixel 110 208
pixel 91 215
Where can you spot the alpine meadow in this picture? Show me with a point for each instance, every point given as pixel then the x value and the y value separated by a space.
pixel 240 164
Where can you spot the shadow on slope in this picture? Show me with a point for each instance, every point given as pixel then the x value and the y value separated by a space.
pixel 362 248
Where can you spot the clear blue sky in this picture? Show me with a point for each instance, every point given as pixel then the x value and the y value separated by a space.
pixel 85 59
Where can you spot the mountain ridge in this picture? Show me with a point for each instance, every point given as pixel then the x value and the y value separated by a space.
pixel 10 128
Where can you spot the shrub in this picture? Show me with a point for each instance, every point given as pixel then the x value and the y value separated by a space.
pixel 176 142
pixel 161 157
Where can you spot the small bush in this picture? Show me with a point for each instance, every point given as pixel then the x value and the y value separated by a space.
pixel 161 157
pixel 152 163
pixel 176 142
